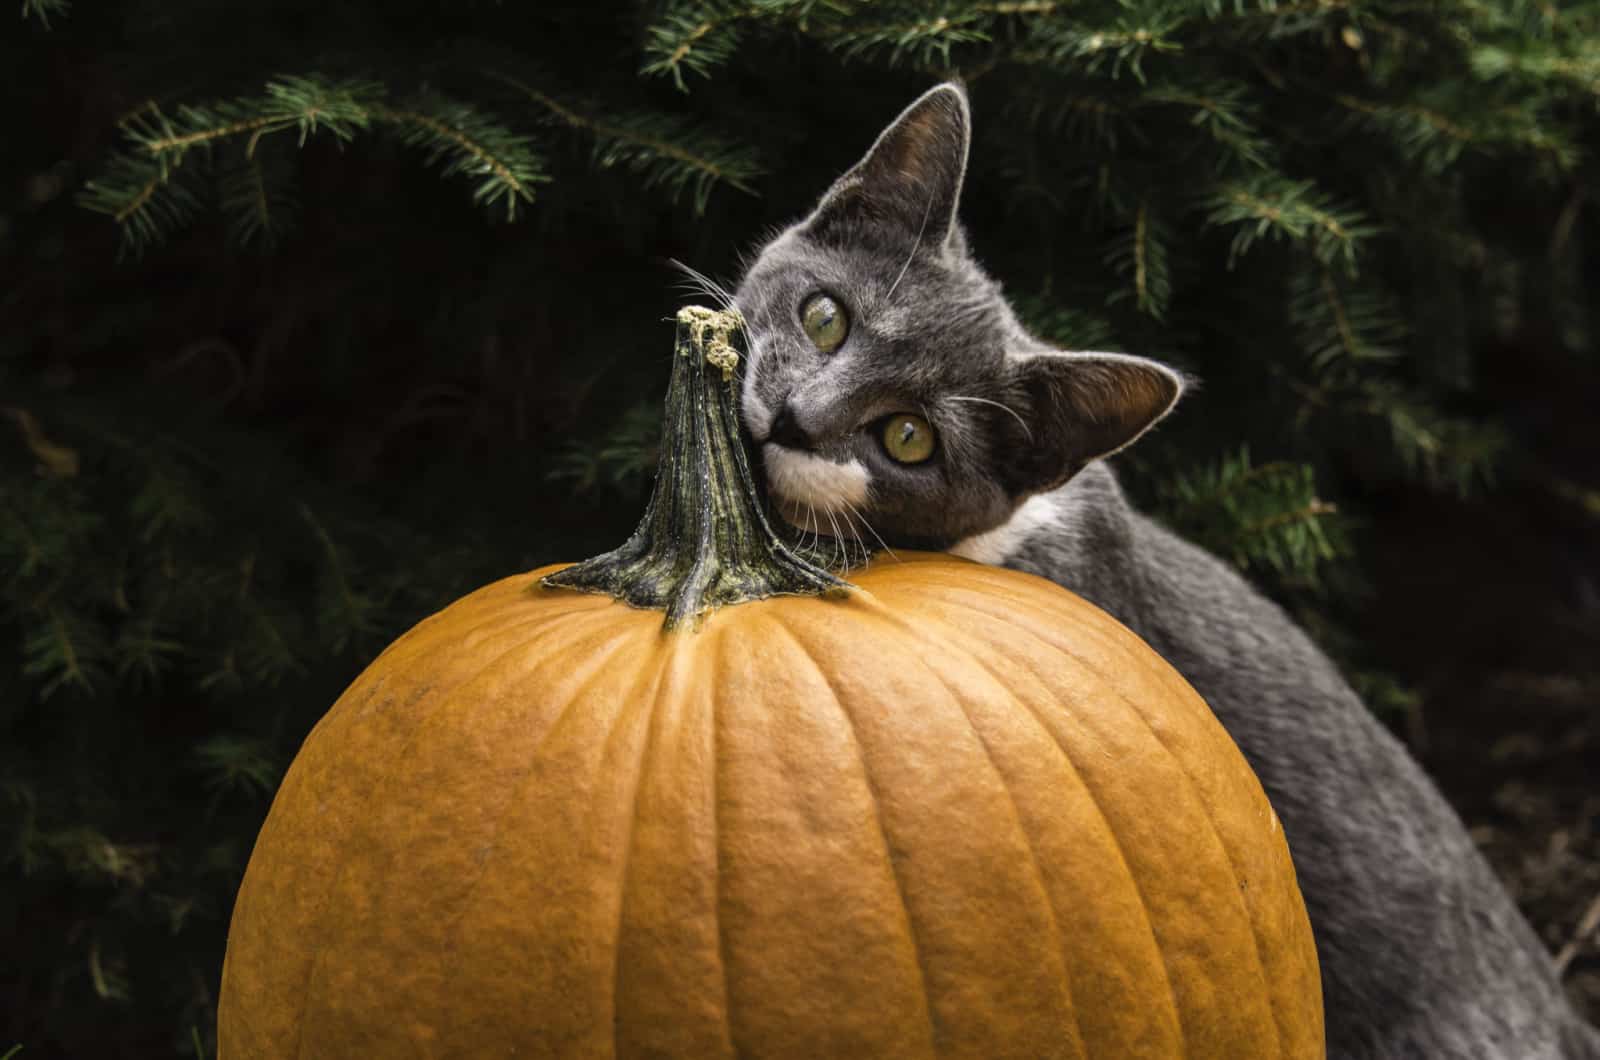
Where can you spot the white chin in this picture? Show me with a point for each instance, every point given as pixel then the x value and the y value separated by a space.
pixel 806 487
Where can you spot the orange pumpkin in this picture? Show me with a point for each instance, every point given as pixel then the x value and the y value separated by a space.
pixel 954 811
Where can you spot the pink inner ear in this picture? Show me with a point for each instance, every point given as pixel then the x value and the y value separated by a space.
pixel 914 142
pixel 913 172
pixel 926 147
pixel 1125 395
pixel 1091 405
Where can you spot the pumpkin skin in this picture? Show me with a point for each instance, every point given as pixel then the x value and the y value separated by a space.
pixel 958 813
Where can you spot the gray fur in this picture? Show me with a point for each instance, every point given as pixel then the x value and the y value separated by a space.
pixel 1423 953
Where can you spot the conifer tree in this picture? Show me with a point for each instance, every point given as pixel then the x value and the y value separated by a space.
pixel 316 317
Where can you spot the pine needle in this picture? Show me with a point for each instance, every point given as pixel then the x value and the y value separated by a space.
pixel 1264 516
pixel 43 11
pixel 1139 256
pixel 465 141
pixel 1272 206
pixel 666 150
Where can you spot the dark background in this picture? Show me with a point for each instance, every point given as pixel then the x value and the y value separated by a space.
pixel 305 394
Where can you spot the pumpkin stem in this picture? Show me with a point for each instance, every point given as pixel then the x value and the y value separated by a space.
pixel 705 541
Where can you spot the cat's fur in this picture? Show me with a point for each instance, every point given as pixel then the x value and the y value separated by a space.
pixel 1423 953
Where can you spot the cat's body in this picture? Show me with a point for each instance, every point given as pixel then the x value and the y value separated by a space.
pixel 894 394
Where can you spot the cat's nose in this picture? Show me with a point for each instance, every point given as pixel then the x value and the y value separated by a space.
pixel 786 431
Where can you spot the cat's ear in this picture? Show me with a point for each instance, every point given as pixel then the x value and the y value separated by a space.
pixel 911 179
pixel 1078 407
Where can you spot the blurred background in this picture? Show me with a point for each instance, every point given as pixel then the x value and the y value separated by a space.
pixel 315 317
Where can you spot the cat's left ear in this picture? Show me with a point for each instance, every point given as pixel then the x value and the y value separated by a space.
pixel 1079 407
pixel 911 178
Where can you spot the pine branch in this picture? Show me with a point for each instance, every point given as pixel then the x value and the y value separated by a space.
pixel 306 104
pixel 263 650
pixel 1540 64
pixel 665 149
pixel 698 36
pixel 224 678
pixel 693 41
pixel 344 614
pixel 1272 206
pixel 1538 45
pixel 1383 693
pixel 1265 516
pixel 924 35
pixel 922 41
pixel 1140 258
pixel 1446 452
pixel 45 529
pixel 62 649
pixel 90 855
pixel 45 10
pixel 233 765
pixel 1435 130
pixel 1125 43
pixel 1226 113
pixel 144 188
pixel 258 200
pixel 468 142
pixel 1094 113
pixel 1064 326
pixel 1091 119
pixel 143 653
pixel 621 461
pixel 146 200
pixel 1339 325
pixel 1270 20
pixel 166 504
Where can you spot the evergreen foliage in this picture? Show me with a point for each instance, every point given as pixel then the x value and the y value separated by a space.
pixel 45 10
pixel 327 392
pixel 1266 517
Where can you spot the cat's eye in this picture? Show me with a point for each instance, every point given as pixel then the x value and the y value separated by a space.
pixel 907 438
pixel 825 322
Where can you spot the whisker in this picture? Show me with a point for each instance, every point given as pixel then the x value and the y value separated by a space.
pixel 866 553
pixel 844 538
pixel 705 284
pixel 838 538
pixel 985 401
pixel 926 213
pixel 855 536
pixel 870 530
pixel 712 294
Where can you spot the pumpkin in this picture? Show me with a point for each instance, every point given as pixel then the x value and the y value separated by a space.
pixel 948 810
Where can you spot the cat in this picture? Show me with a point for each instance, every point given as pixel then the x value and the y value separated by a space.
pixel 889 388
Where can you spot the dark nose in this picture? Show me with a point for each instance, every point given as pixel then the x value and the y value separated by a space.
pixel 786 432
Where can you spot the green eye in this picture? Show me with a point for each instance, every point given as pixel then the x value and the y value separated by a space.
pixel 908 438
pixel 825 321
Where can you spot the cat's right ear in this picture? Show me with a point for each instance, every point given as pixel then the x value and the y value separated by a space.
pixel 1071 408
pixel 911 179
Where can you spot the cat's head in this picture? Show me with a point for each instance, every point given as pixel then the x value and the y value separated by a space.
pixel 887 378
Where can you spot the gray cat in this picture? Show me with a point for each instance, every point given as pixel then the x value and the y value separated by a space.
pixel 893 391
